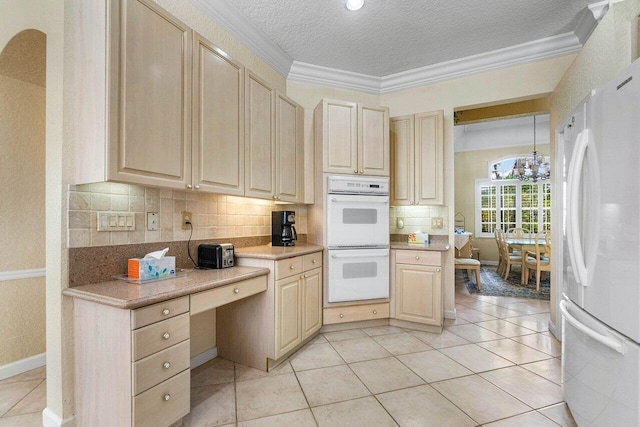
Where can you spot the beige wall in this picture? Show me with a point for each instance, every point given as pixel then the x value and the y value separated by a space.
pixel 472 165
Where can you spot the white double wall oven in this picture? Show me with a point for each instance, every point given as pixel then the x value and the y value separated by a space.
pixel 357 238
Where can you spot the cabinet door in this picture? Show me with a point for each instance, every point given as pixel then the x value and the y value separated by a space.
pixel 289 150
pixel 260 147
pixel 218 125
pixel 373 140
pixel 311 302
pixel 340 136
pixel 150 118
pixel 287 312
pixel 429 158
pixel 418 294
pixel 402 161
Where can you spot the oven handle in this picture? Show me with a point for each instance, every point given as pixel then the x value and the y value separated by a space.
pixel 361 199
pixel 362 253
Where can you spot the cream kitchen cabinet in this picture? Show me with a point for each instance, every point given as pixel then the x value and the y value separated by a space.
pixel 352 138
pixel 289 160
pixel 417 159
pixel 290 312
pixel 418 287
pixel 135 370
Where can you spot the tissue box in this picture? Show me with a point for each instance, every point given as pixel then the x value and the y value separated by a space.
pixel 151 268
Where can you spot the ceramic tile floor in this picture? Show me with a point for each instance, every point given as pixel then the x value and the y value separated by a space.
pixel 495 365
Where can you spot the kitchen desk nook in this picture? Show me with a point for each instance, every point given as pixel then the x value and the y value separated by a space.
pixel 132 343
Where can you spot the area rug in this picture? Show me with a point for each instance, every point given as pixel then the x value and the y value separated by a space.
pixel 494 285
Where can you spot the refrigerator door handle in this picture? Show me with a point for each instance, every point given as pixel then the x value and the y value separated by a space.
pixel 573 232
pixel 609 342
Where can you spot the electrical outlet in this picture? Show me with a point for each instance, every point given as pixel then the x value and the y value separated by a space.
pixel 436 222
pixel 400 222
pixel 186 220
pixel 152 221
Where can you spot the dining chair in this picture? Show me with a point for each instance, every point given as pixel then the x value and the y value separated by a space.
pixel 509 258
pixel 540 259
pixel 463 261
pixel 517 233
pixel 500 268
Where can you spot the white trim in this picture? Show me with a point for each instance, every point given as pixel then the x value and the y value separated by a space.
pixel 21 274
pixel 22 365
pixel 204 357
pixel 50 419
pixel 450 314
pixel 233 21
pixel 236 24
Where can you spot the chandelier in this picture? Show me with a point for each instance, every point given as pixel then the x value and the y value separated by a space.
pixel 534 169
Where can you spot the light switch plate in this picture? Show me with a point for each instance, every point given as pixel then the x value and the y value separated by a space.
pixel 436 222
pixel 152 221
pixel 116 221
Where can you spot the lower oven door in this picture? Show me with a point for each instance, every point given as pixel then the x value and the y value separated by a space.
pixel 358 274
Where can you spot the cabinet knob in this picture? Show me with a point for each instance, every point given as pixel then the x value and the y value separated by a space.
pixel 416 203
pixel 166 365
pixel 166 312
pixel 341 315
pixel 361 172
pixel 356 171
pixel 197 187
pixel 417 257
pixel 411 203
pixel 438 270
pixel 375 311
pixel 166 335
pixel 292 267
pixel 189 186
pixel 313 261
pixel 167 397
pixel 236 291
pixel 274 197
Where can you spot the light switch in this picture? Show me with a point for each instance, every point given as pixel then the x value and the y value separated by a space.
pixel 121 221
pixel 116 221
pixel 436 222
pixel 129 221
pixel 113 221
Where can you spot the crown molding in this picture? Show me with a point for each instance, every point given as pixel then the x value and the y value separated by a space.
pixel 229 18
pixel 236 24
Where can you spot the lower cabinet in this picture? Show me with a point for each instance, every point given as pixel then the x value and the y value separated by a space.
pixel 356 313
pixel 287 314
pixel 418 287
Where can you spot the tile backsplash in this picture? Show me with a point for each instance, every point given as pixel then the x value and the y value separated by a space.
pixel 418 218
pixel 214 216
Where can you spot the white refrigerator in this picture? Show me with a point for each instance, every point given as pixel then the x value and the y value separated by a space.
pixel 598 157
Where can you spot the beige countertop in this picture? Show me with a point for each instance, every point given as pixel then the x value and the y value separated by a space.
pixel 276 252
pixel 433 246
pixel 120 294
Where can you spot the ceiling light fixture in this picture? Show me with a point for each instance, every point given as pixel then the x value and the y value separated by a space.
pixel 354 5
pixel 534 169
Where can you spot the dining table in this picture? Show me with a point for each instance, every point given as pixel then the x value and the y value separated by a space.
pixel 524 244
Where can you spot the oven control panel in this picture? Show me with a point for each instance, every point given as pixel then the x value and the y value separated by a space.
pixel 358 185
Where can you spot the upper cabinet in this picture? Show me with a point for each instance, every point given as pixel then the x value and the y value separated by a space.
pixel 218 120
pixel 417 147
pixel 354 137
pixel 156 104
pixel 260 137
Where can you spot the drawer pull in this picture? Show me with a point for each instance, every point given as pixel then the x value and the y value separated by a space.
pixel 166 311
pixel 236 291
pixel 341 315
pixel 166 365
pixel 166 335
pixel 167 397
pixel 313 261
pixel 417 257
pixel 438 270
pixel 292 267
pixel 375 311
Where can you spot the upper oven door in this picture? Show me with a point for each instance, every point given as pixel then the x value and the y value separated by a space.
pixel 355 220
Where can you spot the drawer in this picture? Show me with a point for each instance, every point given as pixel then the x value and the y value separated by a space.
pixel 288 267
pixel 160 366
pixel 311 261
pixel 158 336
pixel 163 404
pixel 154 313
pixel 355 313
pixel 206 300
pixel 418 257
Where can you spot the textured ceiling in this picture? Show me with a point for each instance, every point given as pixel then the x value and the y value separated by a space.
pixel 387 37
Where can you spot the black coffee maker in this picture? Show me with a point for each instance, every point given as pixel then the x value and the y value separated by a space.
pixel 283 233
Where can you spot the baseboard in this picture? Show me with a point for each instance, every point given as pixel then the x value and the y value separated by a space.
pixel 450 314
pixel 23 365
pixel 204 357
pixel 554 330
pixel 49 419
